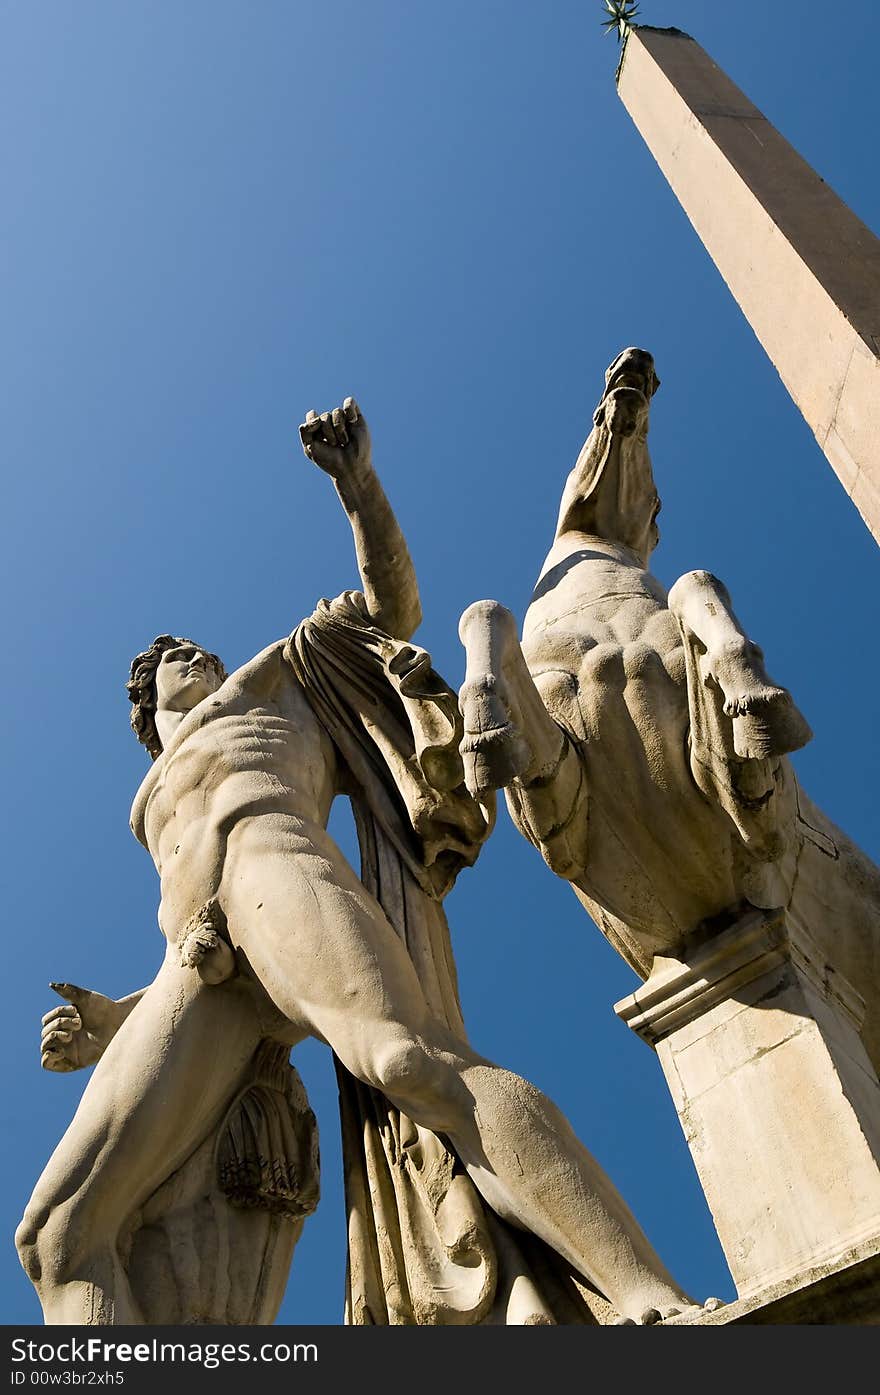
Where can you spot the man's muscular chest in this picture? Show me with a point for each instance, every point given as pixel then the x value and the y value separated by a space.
pixel 254 743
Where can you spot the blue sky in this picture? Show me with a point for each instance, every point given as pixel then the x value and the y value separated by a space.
pixel 219 215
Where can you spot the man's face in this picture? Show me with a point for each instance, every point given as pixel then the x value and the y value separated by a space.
pixel 185 675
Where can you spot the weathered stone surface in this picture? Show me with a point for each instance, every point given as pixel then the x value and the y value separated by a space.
pixel 803 268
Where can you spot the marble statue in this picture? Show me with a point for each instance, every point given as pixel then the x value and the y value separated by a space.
pixel 641 742
pixel 471 1200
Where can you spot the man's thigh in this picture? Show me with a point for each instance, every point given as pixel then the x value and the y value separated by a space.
pixel 314 937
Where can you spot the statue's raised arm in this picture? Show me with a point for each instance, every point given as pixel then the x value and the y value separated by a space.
pixel 339 443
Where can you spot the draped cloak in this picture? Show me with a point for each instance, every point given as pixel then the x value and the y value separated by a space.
pixel 423 1246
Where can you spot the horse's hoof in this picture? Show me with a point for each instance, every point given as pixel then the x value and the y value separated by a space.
pixel 494 751
pixel 767 724
pixel 493 758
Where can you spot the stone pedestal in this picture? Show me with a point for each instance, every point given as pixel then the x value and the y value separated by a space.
pixel 759 1041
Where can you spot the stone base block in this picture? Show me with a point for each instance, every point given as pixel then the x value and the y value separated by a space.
pixel 843 1293
pixel 759 1041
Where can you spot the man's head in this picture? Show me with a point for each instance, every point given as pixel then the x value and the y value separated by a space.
pixel 173 675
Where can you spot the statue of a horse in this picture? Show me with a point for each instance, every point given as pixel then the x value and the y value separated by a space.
pixel 642 745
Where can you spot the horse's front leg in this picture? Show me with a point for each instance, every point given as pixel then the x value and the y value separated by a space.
pixel 766 722
pixel 512 742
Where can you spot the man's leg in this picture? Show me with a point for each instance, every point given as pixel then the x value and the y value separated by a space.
pixel 162 1083
pixel 325 952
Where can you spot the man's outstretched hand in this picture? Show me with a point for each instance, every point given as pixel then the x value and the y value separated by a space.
pixel 76 1033
pixel 338 441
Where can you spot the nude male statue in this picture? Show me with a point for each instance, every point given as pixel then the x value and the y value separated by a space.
pixel 271 934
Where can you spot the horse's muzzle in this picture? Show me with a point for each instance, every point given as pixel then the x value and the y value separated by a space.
pixel 625 410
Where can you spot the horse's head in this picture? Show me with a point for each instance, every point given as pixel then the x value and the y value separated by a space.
pixel 611 491
pixel 630 383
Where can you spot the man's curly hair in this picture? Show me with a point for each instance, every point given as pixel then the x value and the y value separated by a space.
pixel 141 687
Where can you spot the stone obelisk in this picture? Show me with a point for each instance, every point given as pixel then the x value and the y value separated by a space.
pixel 803 268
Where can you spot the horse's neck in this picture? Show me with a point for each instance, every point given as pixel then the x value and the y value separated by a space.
pixel 610 495
pixel 607 551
